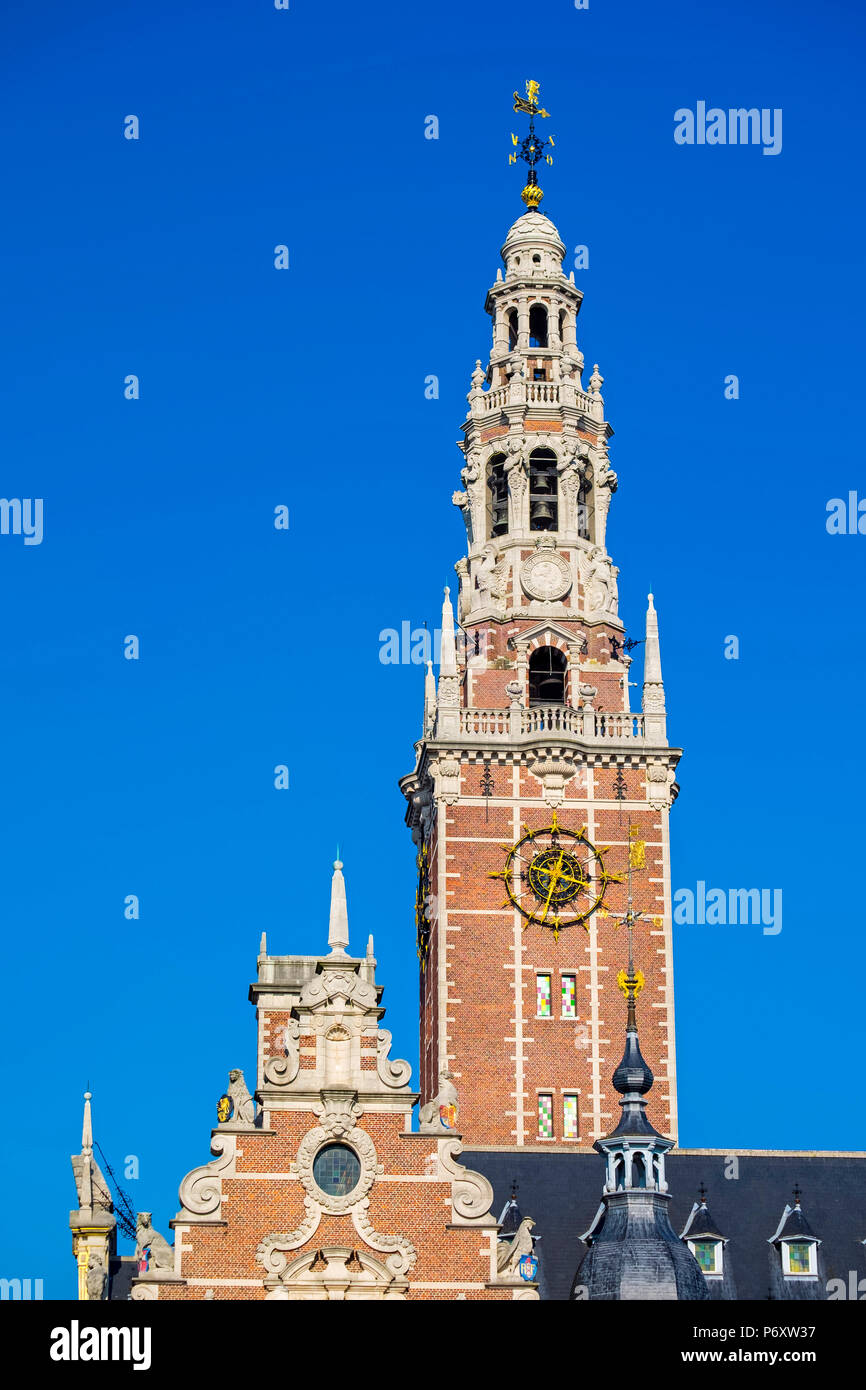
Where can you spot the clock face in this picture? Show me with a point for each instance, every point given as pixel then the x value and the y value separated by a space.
pixel 555 877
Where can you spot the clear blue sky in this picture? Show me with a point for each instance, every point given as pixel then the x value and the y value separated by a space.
pixel 306 388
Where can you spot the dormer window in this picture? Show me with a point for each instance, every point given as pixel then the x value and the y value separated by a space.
pixel 709 1255
pixel 538 326
pixel 798 1257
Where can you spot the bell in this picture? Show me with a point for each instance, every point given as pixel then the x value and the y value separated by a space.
pixel 542 483
pixel 543 512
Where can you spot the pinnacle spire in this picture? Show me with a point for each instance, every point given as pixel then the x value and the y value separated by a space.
pixel 447 649
pixel 653 688
pixel 87 1126
pixel 338 924
pixel 429 695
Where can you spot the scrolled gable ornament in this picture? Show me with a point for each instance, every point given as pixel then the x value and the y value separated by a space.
pixel 201 1190
pixel 282 1070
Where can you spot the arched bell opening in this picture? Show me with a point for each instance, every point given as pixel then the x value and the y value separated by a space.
pixel 548 669
pixel 497 502
pixel 513 330
pixel 543 491
pixel 538 326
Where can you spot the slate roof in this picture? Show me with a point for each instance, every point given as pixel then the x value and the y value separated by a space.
pixel 561 1191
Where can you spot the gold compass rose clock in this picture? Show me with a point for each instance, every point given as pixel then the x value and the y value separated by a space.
pixel 555 877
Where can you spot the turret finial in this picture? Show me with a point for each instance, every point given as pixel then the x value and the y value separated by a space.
pixel 531 149
pixel 87 1125
pixel 338 925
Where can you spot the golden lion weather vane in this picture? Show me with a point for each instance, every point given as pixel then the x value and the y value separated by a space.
pixel 531 149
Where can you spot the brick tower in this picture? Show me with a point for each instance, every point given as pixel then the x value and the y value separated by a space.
pixel 536 788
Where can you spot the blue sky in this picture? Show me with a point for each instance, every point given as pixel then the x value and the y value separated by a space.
pixel 306 388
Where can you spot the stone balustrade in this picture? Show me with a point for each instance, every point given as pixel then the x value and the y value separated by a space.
pixel 590 726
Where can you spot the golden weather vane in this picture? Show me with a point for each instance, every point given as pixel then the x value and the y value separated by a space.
pixel 531 149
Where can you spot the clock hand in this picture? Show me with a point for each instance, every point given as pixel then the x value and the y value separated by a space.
pixel 555 875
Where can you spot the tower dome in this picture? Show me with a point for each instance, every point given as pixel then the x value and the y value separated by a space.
pixel 533 246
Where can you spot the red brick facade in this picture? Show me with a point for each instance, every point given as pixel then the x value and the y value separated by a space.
pixel 263 1221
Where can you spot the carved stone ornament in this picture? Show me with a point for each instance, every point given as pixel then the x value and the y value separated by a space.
pixel 338 984
pixel 553 773
pixel 338 1116
pixel 471 1193
pixel 145 1293
pixel 336 1272
pixel 271 1252
pixel 446 772
pixel 546 576
pixel 281 1071
pixel 201 1190
pixel 392 1073
pixel 401 1253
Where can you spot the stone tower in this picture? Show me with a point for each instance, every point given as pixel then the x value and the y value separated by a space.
pixel 535 781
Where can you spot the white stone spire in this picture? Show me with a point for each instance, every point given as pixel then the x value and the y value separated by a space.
pixel 87 1126
pixel 653 689
pixel 338 925
pixel 429 696
pixel 447 649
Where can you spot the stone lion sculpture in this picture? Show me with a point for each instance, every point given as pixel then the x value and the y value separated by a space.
pixel 146 1238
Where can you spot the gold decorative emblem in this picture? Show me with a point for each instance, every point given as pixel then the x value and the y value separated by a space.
pixel 630 984
pixel 225 1109
pixel 555 877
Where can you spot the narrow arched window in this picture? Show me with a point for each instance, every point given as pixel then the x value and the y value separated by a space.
pixel 543 491
pixel 619 1174
pixel 638 1171
pixel 538 326
pixel 497 502
pixel 513 330
pixel 547 672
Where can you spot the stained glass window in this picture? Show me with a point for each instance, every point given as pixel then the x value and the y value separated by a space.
pixel 569 996
pixel 706 1256
pixel 799 1257
pixel 543 1003
pixel 545 1117
pixel 569 1117
pixel 337 1170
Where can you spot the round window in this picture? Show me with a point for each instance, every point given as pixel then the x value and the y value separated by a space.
pixel 337 1170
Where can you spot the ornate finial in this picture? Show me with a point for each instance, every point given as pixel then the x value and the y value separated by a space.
pixel 87 1125
pixel 702 1193
pixel 531 149
pixel 338 925
pixel 797 1194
